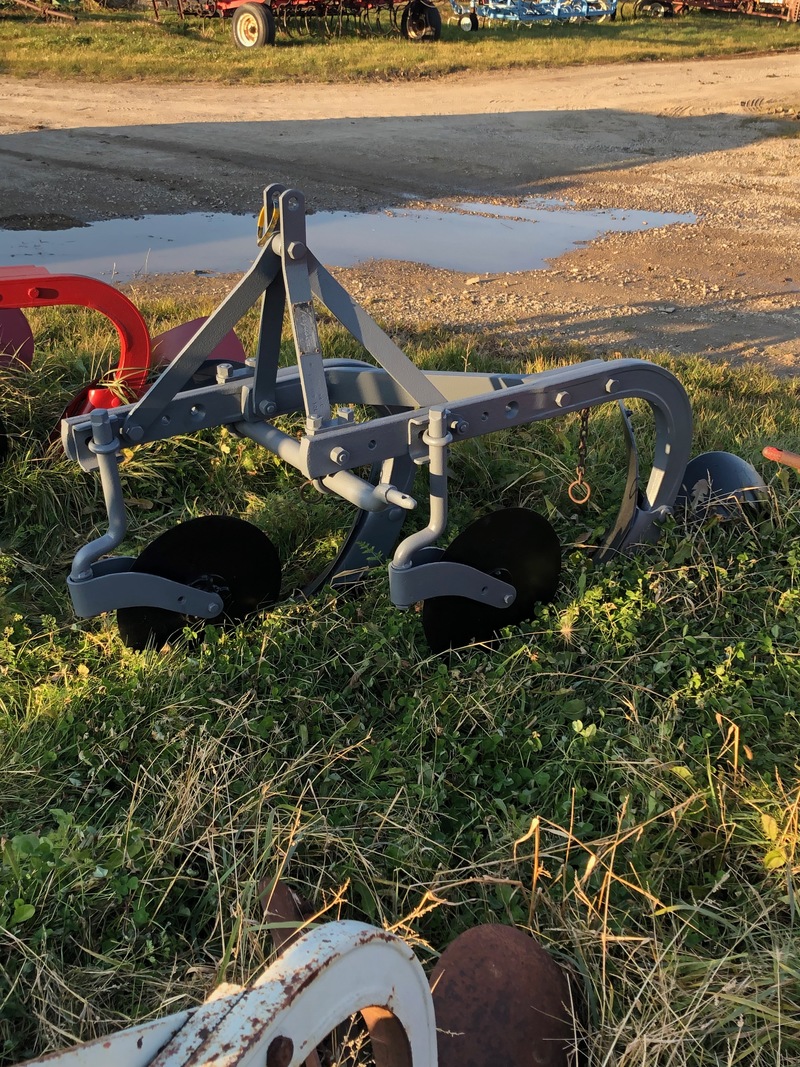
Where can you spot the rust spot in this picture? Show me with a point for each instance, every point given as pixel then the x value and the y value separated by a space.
pixel 280 1052
pixel 140 1042
pixel 296 988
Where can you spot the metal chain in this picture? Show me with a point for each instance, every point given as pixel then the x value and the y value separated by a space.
pixel 580 490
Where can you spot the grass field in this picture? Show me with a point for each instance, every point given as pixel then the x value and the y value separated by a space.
pixel 619 776
pixel 122 46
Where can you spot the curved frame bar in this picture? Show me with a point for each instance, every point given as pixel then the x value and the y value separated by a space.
pixel 37 287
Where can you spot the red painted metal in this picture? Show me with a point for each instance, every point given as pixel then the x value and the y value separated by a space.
pixel 300 8
pixel 28 287
pixel 167 345
pixel 786 10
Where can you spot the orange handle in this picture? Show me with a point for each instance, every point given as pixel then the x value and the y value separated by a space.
pixel 778 455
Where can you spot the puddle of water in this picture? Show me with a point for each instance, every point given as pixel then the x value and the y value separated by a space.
pixel 474 237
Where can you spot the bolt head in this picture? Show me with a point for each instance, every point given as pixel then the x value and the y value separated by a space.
pixel 340 455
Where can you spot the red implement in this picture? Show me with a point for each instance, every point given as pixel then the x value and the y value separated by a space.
pixel 27 287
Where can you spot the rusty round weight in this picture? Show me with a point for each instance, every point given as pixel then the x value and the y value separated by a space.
pixel 500 998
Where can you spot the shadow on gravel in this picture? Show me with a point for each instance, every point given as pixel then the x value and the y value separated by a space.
pixel 344 163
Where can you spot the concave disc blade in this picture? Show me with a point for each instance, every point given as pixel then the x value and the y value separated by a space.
pixel 168 344
pixel 220 553
pixel 516 545
pixel 16 339
pixel 501 999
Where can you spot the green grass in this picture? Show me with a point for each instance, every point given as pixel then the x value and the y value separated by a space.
pixel 119 47
pixel 619 776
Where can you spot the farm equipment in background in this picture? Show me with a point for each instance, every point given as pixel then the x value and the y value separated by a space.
pixel 522 12
pixel 44 10
pixel 473 12
pixel 255 23
pixel 365 430
pixel 786 10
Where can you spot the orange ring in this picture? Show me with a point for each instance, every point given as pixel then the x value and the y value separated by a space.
pixel 573 495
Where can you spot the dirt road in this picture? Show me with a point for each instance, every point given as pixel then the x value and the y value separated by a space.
pixel 719 138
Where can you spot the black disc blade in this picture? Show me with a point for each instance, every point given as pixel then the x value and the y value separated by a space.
pixel 222 554
pixel 516 545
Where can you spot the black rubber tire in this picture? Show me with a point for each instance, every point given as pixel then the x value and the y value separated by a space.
pixel 253 26
pixel 421 21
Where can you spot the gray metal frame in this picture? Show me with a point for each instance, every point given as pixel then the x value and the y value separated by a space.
pixel 420 415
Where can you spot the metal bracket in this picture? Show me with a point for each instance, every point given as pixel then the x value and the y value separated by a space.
pixel 113 585
pixel 423 581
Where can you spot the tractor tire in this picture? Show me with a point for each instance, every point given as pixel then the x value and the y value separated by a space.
pixel 421 21
pixel 253 26
pixel 652 9
pixel 604 9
